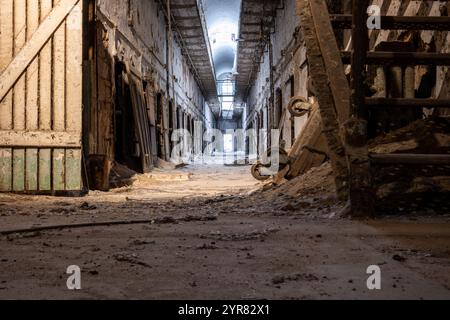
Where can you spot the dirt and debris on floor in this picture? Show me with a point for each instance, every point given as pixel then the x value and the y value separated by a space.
pixel 214 234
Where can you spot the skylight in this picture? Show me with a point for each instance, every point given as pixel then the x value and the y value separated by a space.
pixel 222 20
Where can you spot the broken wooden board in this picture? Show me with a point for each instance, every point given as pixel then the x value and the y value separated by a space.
pixel 312 138
pixel 142 123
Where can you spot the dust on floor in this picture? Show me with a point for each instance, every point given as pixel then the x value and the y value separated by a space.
pixel 213 234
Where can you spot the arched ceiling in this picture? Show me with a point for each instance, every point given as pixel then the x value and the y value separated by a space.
pixel 222 19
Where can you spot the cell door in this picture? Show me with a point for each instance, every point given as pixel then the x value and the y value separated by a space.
pixel 40 96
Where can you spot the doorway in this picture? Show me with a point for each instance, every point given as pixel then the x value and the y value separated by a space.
pixel 127 151
pixel 228 143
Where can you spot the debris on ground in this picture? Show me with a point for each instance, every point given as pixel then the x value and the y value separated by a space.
pixel 254 235
pixel 295 277
pixel 130 258
pixel 121 176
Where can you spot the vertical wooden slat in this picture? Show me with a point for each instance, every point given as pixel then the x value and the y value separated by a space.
pixel 31 177
pixel 59 79
pixel 58 170
pixel 45 174
pixel 74 69
pixel 32 100
pixel 20 27
pixel 5 169
pixel 6 54
pixel 45 75
pixel 73 169
pixel 19 170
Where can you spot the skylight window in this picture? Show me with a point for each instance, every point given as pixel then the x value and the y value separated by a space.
pixel 227 88
pixel 222 19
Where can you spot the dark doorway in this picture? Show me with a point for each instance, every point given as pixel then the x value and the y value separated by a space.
pixel 172 126
pixel 127 151
pixel 278 108
pixel 292 94
pixel 179 118
pixel 160 124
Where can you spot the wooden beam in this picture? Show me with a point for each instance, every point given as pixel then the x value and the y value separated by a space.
pixel 362 197
pixel 325 99
pixel 411 159
pixel 40 139
pixel 32 48
pixel 406 103
pixel 343 21
pixel 330 53
pixel 402 58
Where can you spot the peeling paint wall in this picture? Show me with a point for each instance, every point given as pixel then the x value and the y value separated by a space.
pixel 289 55
pixel 139 34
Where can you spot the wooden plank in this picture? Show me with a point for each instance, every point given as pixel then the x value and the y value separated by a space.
pixel 31 176
pixel 18 170
pixel 312 137
pixel 141 123
pixel 412 159
pixel 45 171
pixel 402 58
pixel 39 139
pixel 74 67
pixel 343 21
pixel 22 60
pixel 32 74
pixel 5 169
pixel 19 110
pixel 330 54
pixel 6 55
pixel 406 103
pixel 58 170
pixel 59 79
pixel 73 170
pixel 45 75
pixel 93 118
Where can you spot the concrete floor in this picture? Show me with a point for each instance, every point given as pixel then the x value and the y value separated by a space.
pixel 213 237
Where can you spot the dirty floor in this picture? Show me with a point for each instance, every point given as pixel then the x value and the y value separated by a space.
pixel 211 234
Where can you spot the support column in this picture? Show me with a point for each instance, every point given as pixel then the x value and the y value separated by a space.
pixel 362 197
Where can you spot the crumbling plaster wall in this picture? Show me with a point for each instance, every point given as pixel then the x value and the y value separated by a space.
pixel 137 35
pixel 289 59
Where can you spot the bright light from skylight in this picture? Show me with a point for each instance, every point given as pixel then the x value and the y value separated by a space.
pixel 222 18
pixel 227 88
